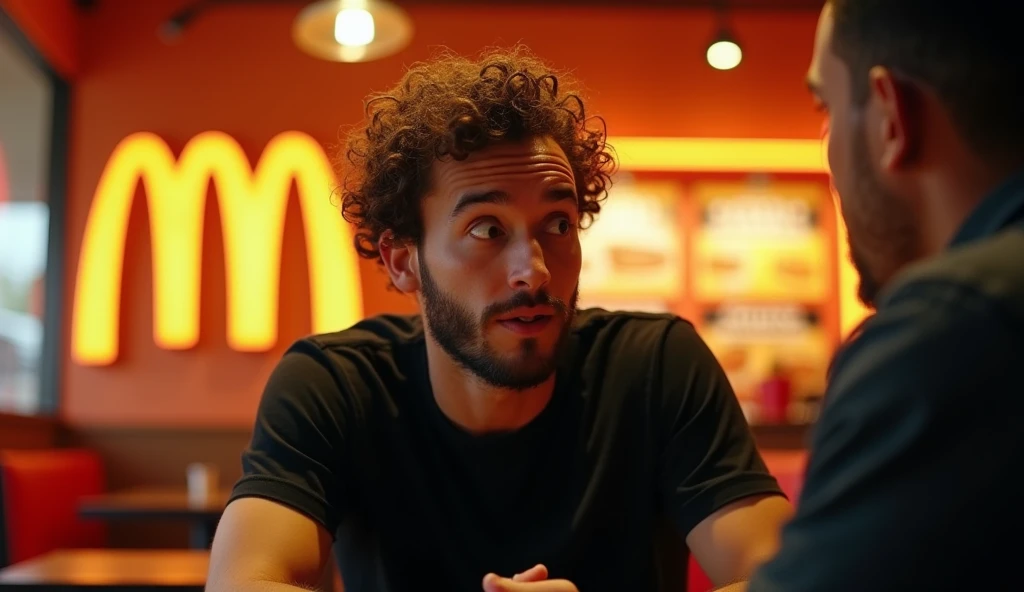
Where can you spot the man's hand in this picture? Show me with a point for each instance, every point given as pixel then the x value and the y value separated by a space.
pixel 534 579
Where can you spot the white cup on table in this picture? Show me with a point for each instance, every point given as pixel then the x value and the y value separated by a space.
pixel 203 483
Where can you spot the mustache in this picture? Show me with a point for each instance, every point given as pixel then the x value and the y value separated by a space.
pixel 526 300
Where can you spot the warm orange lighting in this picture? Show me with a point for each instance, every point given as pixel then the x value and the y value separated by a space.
pixel 253 205
pixel 747 155
pixel 719 155
pixel 252 210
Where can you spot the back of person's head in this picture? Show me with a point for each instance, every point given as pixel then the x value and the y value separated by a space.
pixel 967 52
pixel 448 108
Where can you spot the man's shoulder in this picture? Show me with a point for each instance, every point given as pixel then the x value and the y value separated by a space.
pixel 380 332
pixel 385 345
pixel 621 324
pixel 943 321
pixel 378 360
pixel 623 337
pixel 989 271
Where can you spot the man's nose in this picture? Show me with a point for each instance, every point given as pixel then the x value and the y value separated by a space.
pixel 527 269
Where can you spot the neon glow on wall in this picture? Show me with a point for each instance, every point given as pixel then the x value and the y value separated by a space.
pixel 252 210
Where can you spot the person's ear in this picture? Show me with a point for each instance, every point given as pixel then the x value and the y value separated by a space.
pixel 401 259
pixel 893 122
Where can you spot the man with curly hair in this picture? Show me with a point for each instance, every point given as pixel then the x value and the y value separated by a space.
pixel 503 440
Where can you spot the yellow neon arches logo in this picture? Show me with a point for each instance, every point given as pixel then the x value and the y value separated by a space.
pixel 252 205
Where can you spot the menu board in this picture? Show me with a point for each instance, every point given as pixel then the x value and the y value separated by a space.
pixel 760 264
pixel 633 251
pixel 760 242
pixel 753 341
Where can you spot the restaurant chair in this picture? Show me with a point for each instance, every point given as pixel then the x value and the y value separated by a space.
pixel 39 495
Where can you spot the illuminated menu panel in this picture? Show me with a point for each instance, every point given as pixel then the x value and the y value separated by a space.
pixel 633 252
pixel 760 242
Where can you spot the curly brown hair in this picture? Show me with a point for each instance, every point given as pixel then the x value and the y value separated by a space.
pixel 453 106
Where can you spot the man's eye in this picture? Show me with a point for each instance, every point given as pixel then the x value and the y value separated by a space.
pixel 486 231
pixel 560 226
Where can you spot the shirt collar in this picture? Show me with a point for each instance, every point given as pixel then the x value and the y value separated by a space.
pixel 999 209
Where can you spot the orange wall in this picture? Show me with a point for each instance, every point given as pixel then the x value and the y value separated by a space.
pixel 52 25
pixel 236 70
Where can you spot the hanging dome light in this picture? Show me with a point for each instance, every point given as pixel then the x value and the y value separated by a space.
pixel 724 53
pixel 352 30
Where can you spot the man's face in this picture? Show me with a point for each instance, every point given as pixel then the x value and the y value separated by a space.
pixel 882 231
pixel 499 263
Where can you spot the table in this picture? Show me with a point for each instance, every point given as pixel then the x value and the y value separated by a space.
pixel 159 504
pixel 121 570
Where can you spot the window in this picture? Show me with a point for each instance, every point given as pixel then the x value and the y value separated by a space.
pixel 32 107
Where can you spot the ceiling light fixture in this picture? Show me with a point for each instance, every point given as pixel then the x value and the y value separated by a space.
pixel 335 30
pixel 352 30
pixel 724 53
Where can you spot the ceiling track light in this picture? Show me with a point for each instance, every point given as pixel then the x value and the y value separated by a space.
pixel 334 30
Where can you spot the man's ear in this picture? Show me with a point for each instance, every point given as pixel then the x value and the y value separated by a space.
pixel 401 259
pixel 895 126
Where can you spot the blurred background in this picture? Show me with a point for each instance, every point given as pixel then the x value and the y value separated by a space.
pixel 167 226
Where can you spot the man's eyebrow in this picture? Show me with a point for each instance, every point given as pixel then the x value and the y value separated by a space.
pixel 500 197
pixel 472 198
pixel 560 194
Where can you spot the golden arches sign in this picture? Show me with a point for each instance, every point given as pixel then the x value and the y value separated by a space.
pixel 252 203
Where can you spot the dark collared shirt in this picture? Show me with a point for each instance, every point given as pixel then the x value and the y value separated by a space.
pixel 913 479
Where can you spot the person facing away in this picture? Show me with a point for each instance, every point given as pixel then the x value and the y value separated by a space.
pixel 912 482
pixel 502 431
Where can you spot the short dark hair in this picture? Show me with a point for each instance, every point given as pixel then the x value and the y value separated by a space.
pixel 453 106
pixel 968 53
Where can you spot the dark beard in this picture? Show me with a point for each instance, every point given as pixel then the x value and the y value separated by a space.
pixel 460 336
pixel 868 288
pixel 882 234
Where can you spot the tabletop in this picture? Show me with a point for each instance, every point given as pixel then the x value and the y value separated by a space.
pixel 123 570
pixel 152 503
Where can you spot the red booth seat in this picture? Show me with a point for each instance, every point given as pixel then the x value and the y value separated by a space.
pixel 39 495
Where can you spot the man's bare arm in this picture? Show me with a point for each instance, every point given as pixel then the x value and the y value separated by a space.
pixel 263 546
pixel 731 543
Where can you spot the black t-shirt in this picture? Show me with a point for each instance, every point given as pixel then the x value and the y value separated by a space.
pixel 643 431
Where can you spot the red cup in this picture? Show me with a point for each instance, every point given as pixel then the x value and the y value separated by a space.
pixel 775 397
